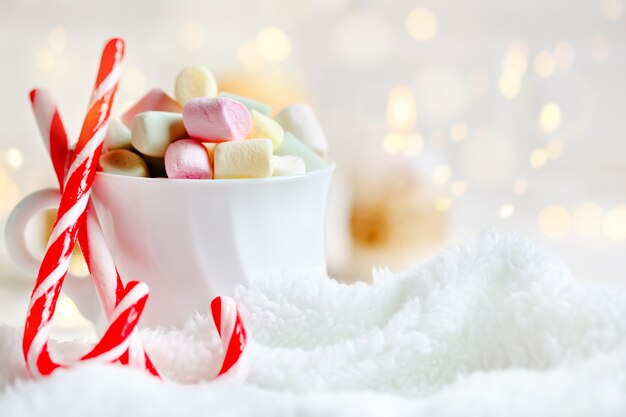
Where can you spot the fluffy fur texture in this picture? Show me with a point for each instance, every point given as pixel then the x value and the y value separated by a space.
pixel 495 326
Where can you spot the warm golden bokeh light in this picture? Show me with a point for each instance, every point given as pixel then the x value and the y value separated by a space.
pixel 442 174
pixel 538 158
pixel 458 132
pixel 612 9
pixel 516 60
pixel 15 159
pixel 273 44
pixel 549 118
pixel 443 204
pixel 544 64
pixel 587 218
pixel 510 83
pixel 554 221
pixel 421 24
pixel 401 111
pixel 394 143
pixel 614 225
pixel 191 36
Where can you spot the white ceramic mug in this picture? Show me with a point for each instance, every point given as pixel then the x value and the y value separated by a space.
pixel 191 240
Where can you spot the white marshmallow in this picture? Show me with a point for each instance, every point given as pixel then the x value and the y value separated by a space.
pixel 118 136
pixel 300 120
pixel 287 165
pixel 251 158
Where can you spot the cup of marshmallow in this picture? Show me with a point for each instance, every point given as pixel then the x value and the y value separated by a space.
pixel 205 191
pixel 199 193
pixel 204 134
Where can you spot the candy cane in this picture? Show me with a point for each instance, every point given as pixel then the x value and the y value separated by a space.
pixel 52 131
pixel 101 265
pixel 78 182
pixel 117 341
pixel 102 269
pixel 231 330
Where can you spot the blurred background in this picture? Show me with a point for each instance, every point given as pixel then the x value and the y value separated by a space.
pixel 445 118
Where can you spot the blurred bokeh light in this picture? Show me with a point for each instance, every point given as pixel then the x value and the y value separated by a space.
pixel 445 118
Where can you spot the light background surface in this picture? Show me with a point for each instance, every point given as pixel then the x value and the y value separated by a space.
pixel 475 166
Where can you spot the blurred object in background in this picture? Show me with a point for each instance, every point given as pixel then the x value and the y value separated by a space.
pixel 445 118
pixel 394 222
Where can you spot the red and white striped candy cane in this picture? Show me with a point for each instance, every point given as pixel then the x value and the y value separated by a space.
pixel 231 330
pixel 52 131
pixel 118 339
pixel 227 319
pixel 103 271
pixel 78 182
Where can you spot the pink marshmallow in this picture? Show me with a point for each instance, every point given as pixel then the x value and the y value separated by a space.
pixel 155 100
pixel 187 159
pixel 216 119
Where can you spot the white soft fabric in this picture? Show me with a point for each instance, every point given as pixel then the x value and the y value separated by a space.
pixel 495 326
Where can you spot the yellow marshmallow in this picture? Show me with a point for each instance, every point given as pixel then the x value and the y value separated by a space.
pixel 264 127
pixel 243 159
pixel 194 81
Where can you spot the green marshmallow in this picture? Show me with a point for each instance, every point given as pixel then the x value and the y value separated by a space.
pixel 153 131
pixel 262 108
pixel 293 146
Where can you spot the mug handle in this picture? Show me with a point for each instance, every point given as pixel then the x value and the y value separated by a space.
pixel 79 289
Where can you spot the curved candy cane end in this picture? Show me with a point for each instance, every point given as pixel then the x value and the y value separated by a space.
pixel 231 330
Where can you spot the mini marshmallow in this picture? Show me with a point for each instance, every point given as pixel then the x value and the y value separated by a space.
pixel 118 136
pixel 267 128
pixel 287 165
pixel 187 159
pixel 216 119
pixel 123 162
pixel 243 159
pixel 300 120
pixel 264 109
pixel 194 81
pixel 155 100
pixel 152 131
pixel 294 147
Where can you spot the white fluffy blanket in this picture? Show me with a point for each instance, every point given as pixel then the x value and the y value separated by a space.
pixel 495 326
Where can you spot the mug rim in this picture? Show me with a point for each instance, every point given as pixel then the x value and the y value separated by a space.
pixel 329 168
